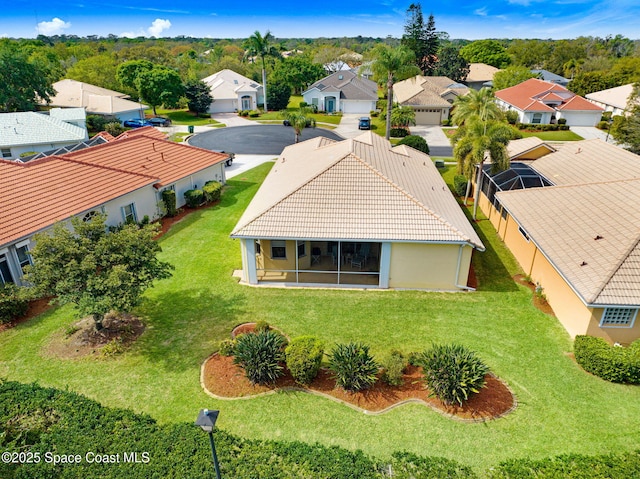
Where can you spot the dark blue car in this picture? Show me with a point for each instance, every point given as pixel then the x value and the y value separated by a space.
pixel 136 123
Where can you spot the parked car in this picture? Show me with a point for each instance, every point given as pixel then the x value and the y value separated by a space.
pixel 230 159
pixel 136 123
pixel 159 121
pixel 364 123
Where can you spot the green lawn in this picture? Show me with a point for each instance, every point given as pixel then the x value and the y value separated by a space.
pixel 566 135
pixel 561 409
pixel 185 117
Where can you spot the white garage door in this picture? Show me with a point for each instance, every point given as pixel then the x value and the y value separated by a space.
pixel 428 116
pixel 354 106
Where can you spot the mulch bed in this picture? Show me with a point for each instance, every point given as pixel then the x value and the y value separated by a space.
pixel 36 307
pixel 224 379
pixel 538 302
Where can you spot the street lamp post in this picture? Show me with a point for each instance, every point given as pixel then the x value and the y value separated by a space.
pixel 207 421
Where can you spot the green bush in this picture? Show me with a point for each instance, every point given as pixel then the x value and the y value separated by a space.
pixel 511 116
pixel 227 347
pixel 261 356
pixel 393 366
pixel 603 125
pixel 169 200
pixel 353 367
pixel 446 122
pixel 612 363
pixel 452 372
pixel 254 114
pixel 194 198
pixel 460 184
pixel 261 325
pixel 398 132
pixel 415 141
pixel 562 121
pixel 304 355
pixel 212 191
pixel 406 465
pixel 14 302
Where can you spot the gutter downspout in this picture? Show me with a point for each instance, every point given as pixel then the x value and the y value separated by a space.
pixel 465 287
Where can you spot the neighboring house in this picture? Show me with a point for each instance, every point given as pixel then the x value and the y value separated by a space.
pixel 233 92
pixel 360 213
pixel 551 77
pixel 616 100
pixel 430 97
pixel 538 101
pixel 95 100
pixel 480 76
pixel 28 132
pixel 343 91
pixel 570 221
pixel 122 178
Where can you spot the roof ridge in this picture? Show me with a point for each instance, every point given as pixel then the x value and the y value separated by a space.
pixel 95 165
pixel 616 268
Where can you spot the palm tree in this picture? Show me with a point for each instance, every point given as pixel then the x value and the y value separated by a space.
pixel 473 142
pixel 260 46
pixel 403 116
pixel 477 102
pixel 299 120
pixel 393 64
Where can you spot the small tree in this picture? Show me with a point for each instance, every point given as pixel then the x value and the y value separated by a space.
pixel 403 116
pixel 160 86
pixel 354 368
pixel 299 120
pixel 198 96
pixel 94 269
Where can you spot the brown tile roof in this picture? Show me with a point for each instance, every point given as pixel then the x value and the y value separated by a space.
pixel 426 91
pixel 481 72
pixel 355 189
pixel 36 194
pixel 589 232
pixel 529 96
pixel 142 151
pixel 149 131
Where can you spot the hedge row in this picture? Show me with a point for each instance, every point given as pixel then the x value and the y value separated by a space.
pixel 14 302
pixel 541 127
pixel 209 193
pixel 613 363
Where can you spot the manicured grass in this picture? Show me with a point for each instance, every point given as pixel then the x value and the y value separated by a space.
pixel 185 117
pixel 566 135
pixel 561 408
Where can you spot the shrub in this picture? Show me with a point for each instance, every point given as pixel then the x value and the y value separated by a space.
pixel 304 355
pixel 406 465
pixel 353 367
pixel 453 372
pixel 303 104
pixel 212 191
pixel 194 198
pixel 603 125
pixel 511 116
pixel 261 356
pixel 460 185
pixel 612 363
pixel 416 142
pixel 14 302
pixel 261 325
pixel 169 200
pixel 114 128
pixel 227 347
pixel 562 121
pixel 254 114
pixel 393 366
pixel 374 113
pixel 446 122
pixel 399 132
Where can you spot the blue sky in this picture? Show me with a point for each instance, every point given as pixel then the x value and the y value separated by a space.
pixel 377 18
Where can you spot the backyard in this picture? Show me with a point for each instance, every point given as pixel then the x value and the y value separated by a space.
pixel 561 409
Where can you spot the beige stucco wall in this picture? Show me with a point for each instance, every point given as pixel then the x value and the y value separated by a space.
pixel 266 262
pixel 428 266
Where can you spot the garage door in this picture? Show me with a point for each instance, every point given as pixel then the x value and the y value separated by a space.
pixel 355 106
pixel 427 116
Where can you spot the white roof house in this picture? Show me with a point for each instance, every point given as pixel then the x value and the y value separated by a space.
pixel 24 132
pixel 616 100
pixel 343 91
pixel 233 92
pixel 95 100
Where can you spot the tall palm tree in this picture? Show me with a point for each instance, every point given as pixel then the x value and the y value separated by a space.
pixel 393 64
pixel 299 120
pixel 477 102
pixel 473 142
pixel 260 46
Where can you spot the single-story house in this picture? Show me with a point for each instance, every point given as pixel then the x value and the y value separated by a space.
pixel 538 101
pixel 430 97
pixel 569 219
pixel 96 100
pixel 343 91
pixel 357 212
pixel 122 178
pixel 616 100
pixel 480 76
pixel 233 92
pixel 28 132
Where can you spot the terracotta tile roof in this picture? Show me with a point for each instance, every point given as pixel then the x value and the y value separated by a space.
pixel 529 96
pixel 355 189
pixel 142 151
pixel 589 232
pixel 35 195
pixel 149 131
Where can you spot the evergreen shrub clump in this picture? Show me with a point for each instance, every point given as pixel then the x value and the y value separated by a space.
pixel 353 367
pixel 261 355
pixel 304 355
pixel 612 363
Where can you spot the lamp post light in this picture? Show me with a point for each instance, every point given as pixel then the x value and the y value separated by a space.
pixel 207 421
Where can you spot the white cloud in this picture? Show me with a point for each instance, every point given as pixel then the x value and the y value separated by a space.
pixel 54 27
pixel 481 11
pixel 157 27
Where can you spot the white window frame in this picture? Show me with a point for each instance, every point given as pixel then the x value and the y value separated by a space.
pixel 6 153
pixel 133 214
pixel 278 244
pixel 538 117
pixel 4 258
pixel 613 314
pixel 19 246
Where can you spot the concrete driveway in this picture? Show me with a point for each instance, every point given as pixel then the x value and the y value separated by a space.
pixel 436 139
pixel 591 132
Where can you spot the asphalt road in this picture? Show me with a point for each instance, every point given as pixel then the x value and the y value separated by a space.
pixel 255 139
